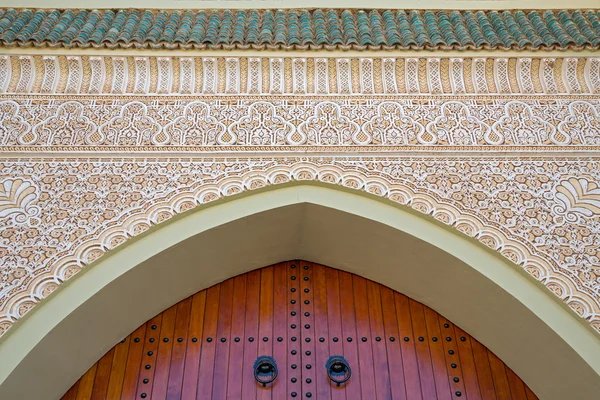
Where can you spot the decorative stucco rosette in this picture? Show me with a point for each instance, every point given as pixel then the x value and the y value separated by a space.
pixel 516 167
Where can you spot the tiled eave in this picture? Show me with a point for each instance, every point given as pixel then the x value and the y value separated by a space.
pixel 318 29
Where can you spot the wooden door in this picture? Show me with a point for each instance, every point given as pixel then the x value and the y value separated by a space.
pixel 299 314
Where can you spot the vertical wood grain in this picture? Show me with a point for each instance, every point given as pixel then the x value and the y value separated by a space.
pixel 334 325
pixel 280 329
pixel 484 371
pixel 438 358
pixel 294 353
pixel 72 392
pixel 236 356
pixel 194 349
pixel 408 347
pixel 221 368
pixel 180 342
pixel 209 341
pixel 251 333
pixel 163 354
pixel 149 357
pixel 283 311
pixel 392 342
pixel 500 379
pixel 530 394
pixel 265 324
pixel 86 384
pixel 517 388
pixel 423 354
pixel 322 386
pixel 363 329
pixel 102 376
pixel 307 328
pixel 380 361
pixel 463 358
pixel 117 373
pixel 349 328
pixel 134 362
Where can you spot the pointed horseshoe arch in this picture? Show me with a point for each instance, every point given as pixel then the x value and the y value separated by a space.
pixel 556 353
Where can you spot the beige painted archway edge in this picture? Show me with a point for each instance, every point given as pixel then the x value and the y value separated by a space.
pixel 533 332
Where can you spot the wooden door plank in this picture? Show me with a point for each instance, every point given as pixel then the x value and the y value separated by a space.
pixel 71 393
pixel 280 337
pixel 438 358
pixel 334 326
pixel 117 373
pixel 180 343
pixel 148 366
pixel 163 354
pixel 307 329
pixel 463 358
pixel 484 372
pixel 530 394
pixel 321 332
pixel 350 349
pixel 209 341
pixel 363 329
pixel 265 324
pixel 194 349
pixel 499 375
pixel 407 346
pixel 134 361
pixel 222 347
pixel 236 356
pixel 378 347
pixel 517 387
pixel 251 334
pixel 392 342
pixel 103 375
pixel 335 304
pixel 86 384
pixel 423 353
pixel 294 356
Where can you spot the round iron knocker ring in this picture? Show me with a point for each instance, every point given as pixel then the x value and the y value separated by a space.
pixel 338 369
pixel 265 370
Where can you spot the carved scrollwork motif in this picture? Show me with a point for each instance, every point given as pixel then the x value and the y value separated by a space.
pixel 195 127
pixel 512 206
pixel 521 127
pixel 67 127
pixel 145 123
pixel 329 127
pixel 455 125
pixel 12 125
pixel 391 125
pixel 578 196
pixel 133 127
pixel 17 198
pixel 262 126
pixel 582 124
pixel 539 212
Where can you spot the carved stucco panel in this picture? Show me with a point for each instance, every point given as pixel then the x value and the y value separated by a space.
pixel 529 210
pixel 43 124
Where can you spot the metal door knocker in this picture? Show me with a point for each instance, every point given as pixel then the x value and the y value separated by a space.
pixel 338 369
pixel 265 370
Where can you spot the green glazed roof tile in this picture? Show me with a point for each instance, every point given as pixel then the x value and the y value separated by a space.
pixel 302 29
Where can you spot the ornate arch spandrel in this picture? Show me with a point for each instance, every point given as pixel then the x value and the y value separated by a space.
pixel 517 171
pixel 150 192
